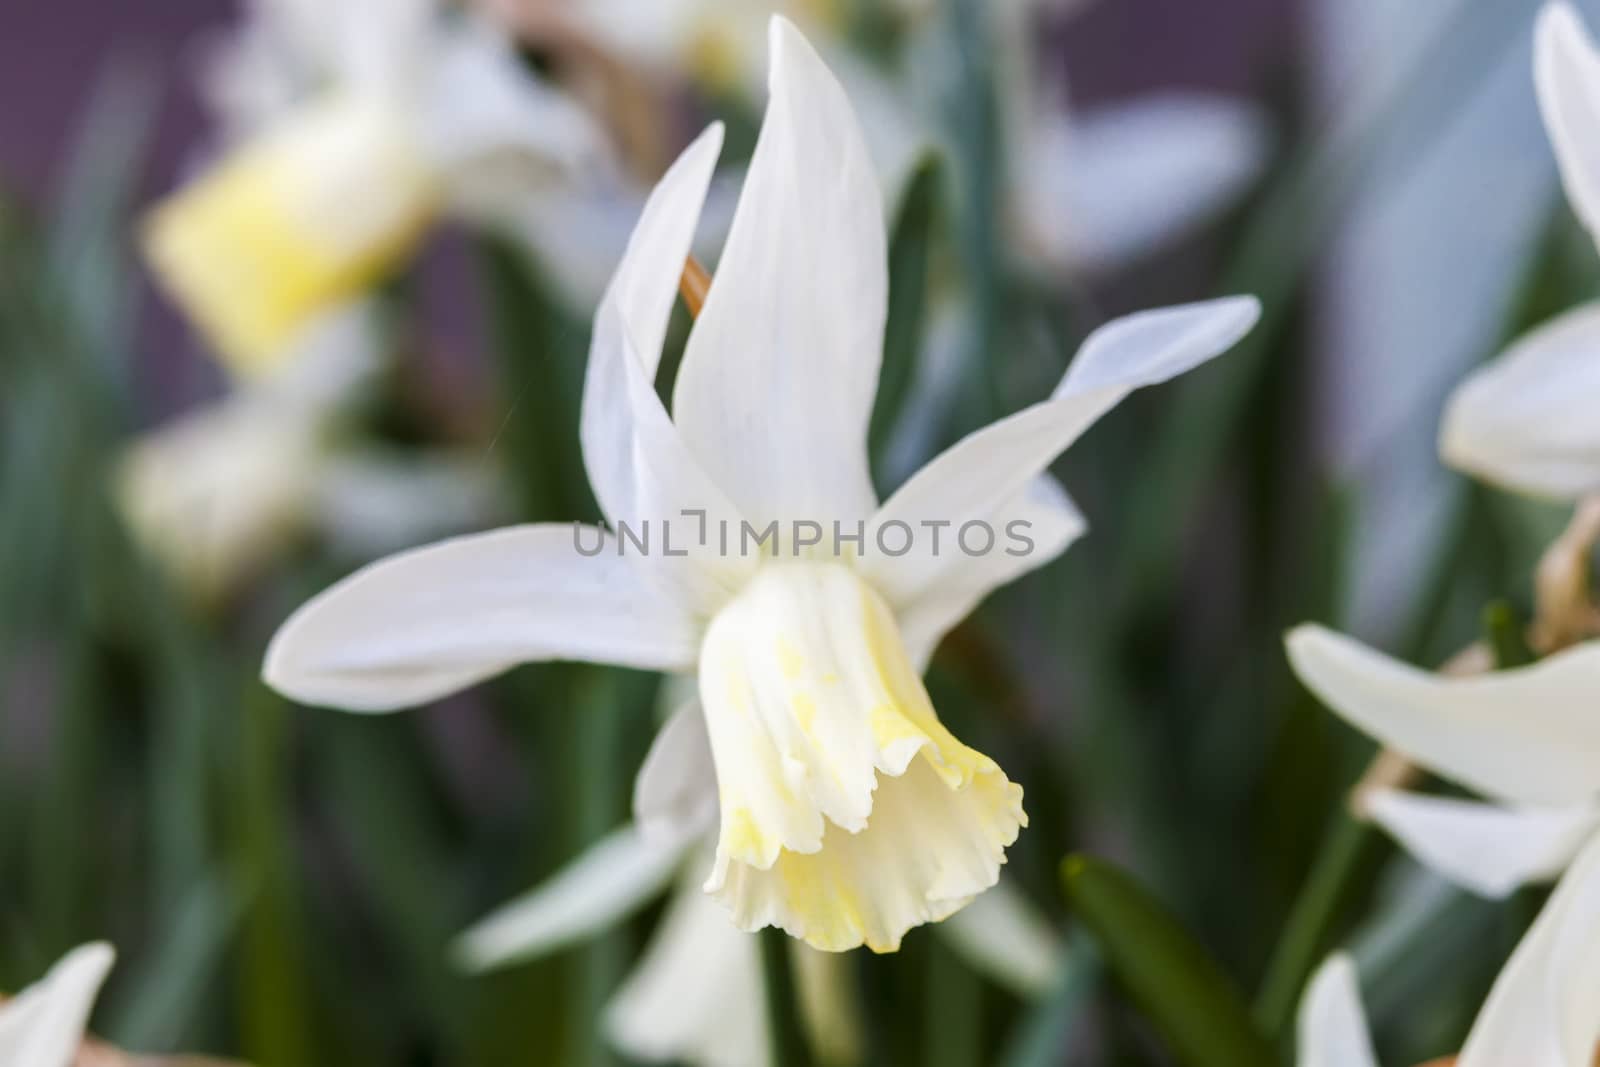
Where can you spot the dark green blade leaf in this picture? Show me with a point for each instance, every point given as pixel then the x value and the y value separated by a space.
pixel 1177 985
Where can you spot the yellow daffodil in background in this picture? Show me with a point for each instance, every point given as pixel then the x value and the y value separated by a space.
pixel 1526 420
pixel 847 813
pixel 408 114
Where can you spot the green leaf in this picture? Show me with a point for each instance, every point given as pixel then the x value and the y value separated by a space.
pixel 910 248
pixel 1194 1005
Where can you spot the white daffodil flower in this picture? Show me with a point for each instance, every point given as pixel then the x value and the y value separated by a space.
pixel 847 813
pixel 697 995
pixel 43 1025
pixel 1523 421
pixel 1539 1013
pixel 214 495
pixel 1529 740
pixel 406 114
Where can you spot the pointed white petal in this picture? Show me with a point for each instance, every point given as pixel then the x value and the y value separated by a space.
pixel 1525 421
pixel 1528 735
pixel 780 372
pixel 1566 71
pixel 1540 1012
pixel 675 795
pixel 1333 1026
pixel 1029 532
pixel 1003 935
pixel 696 996
pixel 1488 849
pixel 43 1025
pixel 639 467
pixel 611 880
pixel 428 622
pixel 1123 179
pixel 977 477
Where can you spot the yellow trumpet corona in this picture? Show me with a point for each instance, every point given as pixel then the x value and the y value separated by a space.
pixel 293 223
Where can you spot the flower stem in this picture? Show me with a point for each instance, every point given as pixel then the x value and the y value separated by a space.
pixel 783 1021
pixel 1350 850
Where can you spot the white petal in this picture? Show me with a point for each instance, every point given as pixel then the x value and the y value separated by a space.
pixel 1566 71
pixel 1529 735
pixel 780 373
pixel 1526 421
pixel 1333 1026
pixel 1488 849
pixel 1003 935
pixel 977 477
pixel 1541 1011
pixel 696 996
pixel 1051 522
pixel 1124 178
pixel 428 622
pixel 675 795
pixel 43 1025
pixel 640 469
pixel 612 879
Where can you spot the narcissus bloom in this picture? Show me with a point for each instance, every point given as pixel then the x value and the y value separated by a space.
pixel 1526 420
pixel 1529 740
pixel 410 114
pixel 43 1025
pixel 847 813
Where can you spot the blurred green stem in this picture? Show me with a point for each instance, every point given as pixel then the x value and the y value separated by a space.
pixel 1349 853
pixel 783 1018
pixel 953 1032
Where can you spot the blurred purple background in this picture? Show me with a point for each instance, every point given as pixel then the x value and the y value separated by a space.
pixel 53 53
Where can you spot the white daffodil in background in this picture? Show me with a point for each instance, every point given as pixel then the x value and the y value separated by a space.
pixel 1540 1011
pixel 1529 740
pixel 43 1025
pixel 1525 421
pixel 214 495
pixel 404 113
pixel 846 812
pixel 1088 189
